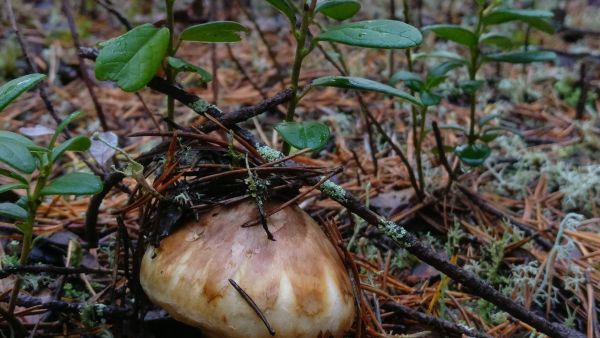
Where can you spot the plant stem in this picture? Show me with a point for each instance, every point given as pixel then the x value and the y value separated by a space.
pixel 301 52
pixel 473 68
pixel 169 71
pixel 32 206
pixel 418 147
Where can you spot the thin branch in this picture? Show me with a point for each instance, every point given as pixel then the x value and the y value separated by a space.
pixel 82 68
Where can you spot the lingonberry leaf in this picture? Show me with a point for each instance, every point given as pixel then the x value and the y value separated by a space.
pixel 216 31
pixel 77 143
pixel 132 59
pixel 76 183
pixel 387 34
pixel 338 9
pixel 285 7
pixel 306 134
pixel 522 57
pixel 14 88
pixel 359 83
pixel 454 33
pixel 539 19
pixel 11 210
pixel 473 155
pixel 183 66
pixel 17 156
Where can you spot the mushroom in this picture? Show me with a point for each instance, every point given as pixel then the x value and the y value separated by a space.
pixel 298 281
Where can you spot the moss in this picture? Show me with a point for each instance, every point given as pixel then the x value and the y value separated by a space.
pixel 200 106
pixel 334 191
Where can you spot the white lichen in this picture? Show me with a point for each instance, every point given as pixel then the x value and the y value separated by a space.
pixel 269 153
pixel 334 191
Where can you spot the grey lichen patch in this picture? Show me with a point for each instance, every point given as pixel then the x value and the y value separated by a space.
pixel 269 153
pixel 334 191
pixel 394 231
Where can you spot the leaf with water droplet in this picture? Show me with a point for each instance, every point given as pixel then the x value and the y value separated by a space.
pixel 388 34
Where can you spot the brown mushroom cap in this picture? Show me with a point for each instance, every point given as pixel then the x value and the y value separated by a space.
pixel 298 281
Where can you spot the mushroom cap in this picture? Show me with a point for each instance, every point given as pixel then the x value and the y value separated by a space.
pixel 298 281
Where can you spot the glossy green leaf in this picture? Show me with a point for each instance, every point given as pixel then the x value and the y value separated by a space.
pixel 388 34
pixel 473 155
pixel 13 211
pixel 301 135
pixel 358 83
pixel 410 79
pixel 8 136
pixel 454 33
pixel 488 118
pixel 522 57
pixel 14 88
pixel 17 156
pixel 539 19
pixel 338 9
pixel 77 143
pixel 215 31
pixel 13 186
pixel 471 86
pixel 183 66
pixel 430 99
pixel 495 39
pixel 74 184
pixel 440 54
pixel 437 74
pixel 490 134
pixel 13 175
pixel 285 7
pixel 132 59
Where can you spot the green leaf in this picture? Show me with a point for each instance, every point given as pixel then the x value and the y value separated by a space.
pixel 471 86
pixel 17 156
pixel 216 31
pixel 74 184
pixel 72 117
pixel 14 88
pixel 522 57
pixel 8 173
pixel 454 33
pixel 132 59
pixel 13 186
pixel 437 74
pixel 442 55
pixel 412 80
pixel 183 66
pixel 539 19
pixel 77 143
pixel 13 211
pixel 453 127
pixel 473 155
pixel 358 83
pixel 286 8
pixel 490 134
pixel 301 135
pixel 338 9
pixel 8 136
pixel 495 39
pixel 430 99
pixel 388 34
pixel 488 118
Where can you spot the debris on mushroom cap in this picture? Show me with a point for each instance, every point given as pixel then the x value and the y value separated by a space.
pixel 297 281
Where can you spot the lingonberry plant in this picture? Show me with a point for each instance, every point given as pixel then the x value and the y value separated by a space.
pixel 485 46
pixel 384 34
pixel 29 166
pixel 132 59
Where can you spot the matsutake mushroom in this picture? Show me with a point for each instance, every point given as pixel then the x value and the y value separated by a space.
pixel 298 281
